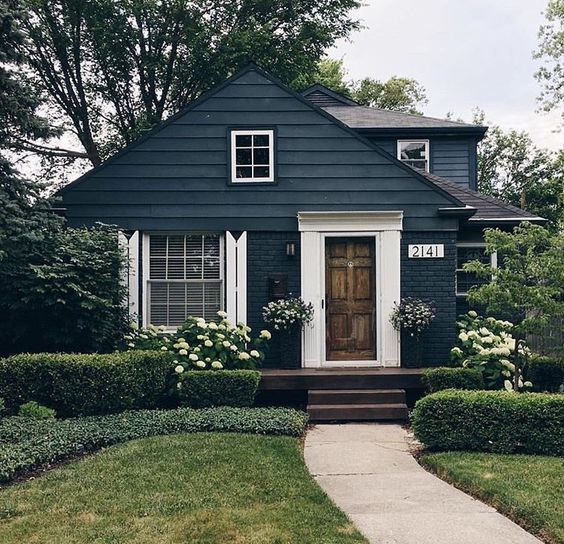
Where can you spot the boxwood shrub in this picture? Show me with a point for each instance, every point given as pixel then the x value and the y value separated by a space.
pixel 437 379
pixel 495 421
pixel 78 384
pixel 29 444
pixel 205 388
pixel 545 373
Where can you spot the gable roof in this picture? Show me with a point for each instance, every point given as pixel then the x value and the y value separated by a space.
pixel 360 117
pixel 253 67
pixel 488 208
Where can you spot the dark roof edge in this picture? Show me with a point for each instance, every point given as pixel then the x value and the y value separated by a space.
pixel 329 92
pixel 475 130
pixel 467 211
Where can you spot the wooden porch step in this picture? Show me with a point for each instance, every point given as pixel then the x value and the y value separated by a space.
pixel 357 412
pixel 356 396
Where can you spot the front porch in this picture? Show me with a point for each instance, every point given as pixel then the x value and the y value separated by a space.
pixel 348 394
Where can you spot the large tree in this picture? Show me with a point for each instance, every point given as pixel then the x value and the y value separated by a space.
pixel 512 168
pixel 551 54
pixel 397 93
pixel 114 68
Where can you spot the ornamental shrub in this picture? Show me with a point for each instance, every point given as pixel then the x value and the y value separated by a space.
pixel 546 373
pixel 27 444
pixel 437 379
pixel 412 315
pixel 35 411
pixel 79 384
pixel 485 343
pixel 496 421
pixel 199 344
pixel 206 388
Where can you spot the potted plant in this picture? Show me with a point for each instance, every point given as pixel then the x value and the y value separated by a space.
pixel 288 317
pixel 412 316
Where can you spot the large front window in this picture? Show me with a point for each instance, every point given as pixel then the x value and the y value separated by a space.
pixel 252 156
pixel 185 277
pixel 415 153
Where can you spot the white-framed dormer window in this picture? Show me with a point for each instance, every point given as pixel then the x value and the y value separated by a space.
pixel 252 156
pixel 415 153
pixel 466 252
pixel 184 277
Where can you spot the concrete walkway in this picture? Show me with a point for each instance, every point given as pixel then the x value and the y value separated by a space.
pixel 369 473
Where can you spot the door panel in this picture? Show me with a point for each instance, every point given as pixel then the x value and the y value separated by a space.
pixel 350 307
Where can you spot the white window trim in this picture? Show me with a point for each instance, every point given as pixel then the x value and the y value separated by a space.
pixel 146 265
pixel 234 134
pixel 385 228
pixel 416 141
pixel 493 261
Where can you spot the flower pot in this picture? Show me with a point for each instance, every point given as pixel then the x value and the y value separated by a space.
pixel 289 347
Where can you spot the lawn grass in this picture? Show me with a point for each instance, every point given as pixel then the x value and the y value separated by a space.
pixel 527 488
pixel 204 488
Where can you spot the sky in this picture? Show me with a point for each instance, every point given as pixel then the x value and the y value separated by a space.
pixel 467 54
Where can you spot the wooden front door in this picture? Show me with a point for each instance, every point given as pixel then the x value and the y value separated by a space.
pixel 350 302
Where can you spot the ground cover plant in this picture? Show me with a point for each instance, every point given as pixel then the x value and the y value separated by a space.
pixel 527 488
pixel 202 488
pixel 27 444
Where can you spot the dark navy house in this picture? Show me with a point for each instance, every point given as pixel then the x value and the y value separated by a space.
pixel 254 192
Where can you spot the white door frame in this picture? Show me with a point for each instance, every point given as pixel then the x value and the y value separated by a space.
pixel 385 228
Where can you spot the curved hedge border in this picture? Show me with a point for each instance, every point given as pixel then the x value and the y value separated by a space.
pixel 78 384
pixel 437 379
pixel 29 444
pixel 494 421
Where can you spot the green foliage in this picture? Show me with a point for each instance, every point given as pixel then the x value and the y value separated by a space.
pixel 397 93
pixel 199 344
pixel 437 379
pixel 34 410
pixel 486 344
pixel 546 373
pixel 207 388
pixel 494 421
pixel 76 384
pixel 551 53
pixel 113 82
pixel 61 288
pixel 512 168
pixel 528 285
pixel 26 445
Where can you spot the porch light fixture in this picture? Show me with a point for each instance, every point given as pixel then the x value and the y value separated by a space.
pixel 290 249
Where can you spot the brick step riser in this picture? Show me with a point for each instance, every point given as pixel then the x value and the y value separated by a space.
pixel 356 397
pixel 358 412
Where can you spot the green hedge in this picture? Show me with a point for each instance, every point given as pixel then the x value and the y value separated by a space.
pixel 77 384
pixel 495 421
pixel 437 379
pixel 29 444
pixel 205 388
pixel 545 373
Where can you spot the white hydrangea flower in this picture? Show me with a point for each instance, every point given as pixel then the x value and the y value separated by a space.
pixel 472 313
pixel 244 356
pixel 208 343
pixel 212 326
pixel 201 364
pixel 255 353
pixel 226 343
pixel 179 369
pixel 179 385
pixel 463 336
pixel 164 348
pixel 265 334
pixel 221 313
pixel 183 352
pixel 193 357
pixel 233 347
pixel 216 364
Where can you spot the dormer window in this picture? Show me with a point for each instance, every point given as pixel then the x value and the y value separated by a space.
pixel 415 153
pixel 252 156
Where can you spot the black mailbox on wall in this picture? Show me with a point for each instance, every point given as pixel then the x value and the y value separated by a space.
pixel 277 286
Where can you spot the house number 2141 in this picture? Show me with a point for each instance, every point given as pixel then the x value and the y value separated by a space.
pixel 426 251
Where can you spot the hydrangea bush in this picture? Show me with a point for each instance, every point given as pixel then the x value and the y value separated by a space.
pixel 412 315
pixel 200 344
pixel 287 313
pixel 486 343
